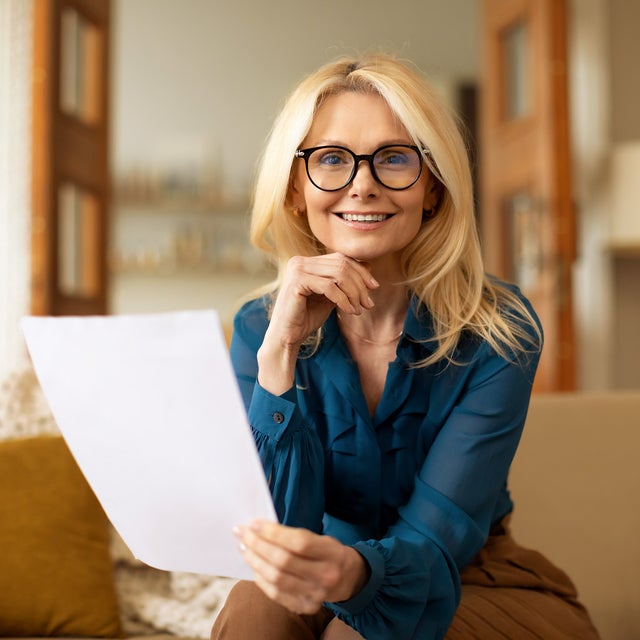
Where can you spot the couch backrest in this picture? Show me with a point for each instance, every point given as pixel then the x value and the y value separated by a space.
pixel 575 483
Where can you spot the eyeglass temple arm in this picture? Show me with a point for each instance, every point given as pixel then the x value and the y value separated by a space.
pixel 301 154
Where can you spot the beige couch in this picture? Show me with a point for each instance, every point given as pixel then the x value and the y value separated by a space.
pixel 575 482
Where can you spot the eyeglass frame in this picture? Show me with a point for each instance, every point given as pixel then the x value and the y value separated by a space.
pixel 358 158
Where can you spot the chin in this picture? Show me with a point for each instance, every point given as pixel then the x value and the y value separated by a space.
pixel 357 253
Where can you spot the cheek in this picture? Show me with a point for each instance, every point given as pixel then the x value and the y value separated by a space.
pixel 413 214
pixel 307 196
pixel 317 217
pixel 415 205
pixel 317 202
pixel 412 227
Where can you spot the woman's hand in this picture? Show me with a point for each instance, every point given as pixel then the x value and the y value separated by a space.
pixel 311 288
pixel 300 569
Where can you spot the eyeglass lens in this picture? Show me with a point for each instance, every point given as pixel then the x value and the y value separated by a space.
pixel 333 168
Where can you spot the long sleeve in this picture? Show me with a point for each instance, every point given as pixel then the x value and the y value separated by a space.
pixel 414 587
pixel 290 452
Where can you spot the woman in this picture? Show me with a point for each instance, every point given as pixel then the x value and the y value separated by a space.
pixel 387 381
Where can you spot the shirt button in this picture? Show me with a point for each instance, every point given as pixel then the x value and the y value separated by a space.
pixel 278 418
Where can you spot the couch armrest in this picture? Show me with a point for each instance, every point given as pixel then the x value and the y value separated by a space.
pixel 575 484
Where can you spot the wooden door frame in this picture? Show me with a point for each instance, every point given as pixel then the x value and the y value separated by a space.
pixel 550 142
pixel 64 147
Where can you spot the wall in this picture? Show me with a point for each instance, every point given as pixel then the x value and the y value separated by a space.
pixel 589 91
pixel 152 85
pixel 15 122
pixel 215 73
pixel 624 171
pixel 605 101
pixel 624 18
pixel 198 83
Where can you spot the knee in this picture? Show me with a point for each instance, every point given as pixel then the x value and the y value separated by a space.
pixel 241 590
pixel 237 603
pixel 249 613
pixel 246 611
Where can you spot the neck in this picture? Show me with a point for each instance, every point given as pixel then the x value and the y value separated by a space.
pixel 382 324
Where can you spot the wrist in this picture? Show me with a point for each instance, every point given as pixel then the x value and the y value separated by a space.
pixel 356 574
pixel 276 367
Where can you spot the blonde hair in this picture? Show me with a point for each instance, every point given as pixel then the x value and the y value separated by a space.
pixel 443 263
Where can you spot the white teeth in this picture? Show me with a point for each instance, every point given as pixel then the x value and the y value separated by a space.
pixel 368 217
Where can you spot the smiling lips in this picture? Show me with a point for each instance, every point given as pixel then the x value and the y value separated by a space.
pixel 364 217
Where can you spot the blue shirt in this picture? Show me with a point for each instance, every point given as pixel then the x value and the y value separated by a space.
pixel 414 488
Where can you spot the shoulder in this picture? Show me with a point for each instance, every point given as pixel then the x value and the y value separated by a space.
pixel 504 286
pixel 513 305
pixel 516 335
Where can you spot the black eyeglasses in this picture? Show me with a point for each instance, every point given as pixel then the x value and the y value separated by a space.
pixel 331 168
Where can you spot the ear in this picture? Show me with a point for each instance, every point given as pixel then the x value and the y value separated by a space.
pixel 432 194
pixel 295 196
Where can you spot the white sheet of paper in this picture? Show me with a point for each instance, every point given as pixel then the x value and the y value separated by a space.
pixel 150 408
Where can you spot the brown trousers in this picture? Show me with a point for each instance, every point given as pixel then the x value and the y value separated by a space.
pixel 508 592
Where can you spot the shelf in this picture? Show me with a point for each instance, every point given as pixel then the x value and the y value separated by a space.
pixel 186 272
pixel 178 206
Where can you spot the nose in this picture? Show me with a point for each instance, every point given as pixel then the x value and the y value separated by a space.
pixel 363 183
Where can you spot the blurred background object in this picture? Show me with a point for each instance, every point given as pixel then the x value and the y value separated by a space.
pixel 148 118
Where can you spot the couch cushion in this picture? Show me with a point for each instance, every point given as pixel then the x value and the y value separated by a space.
pixel 575 483
pixel 55 569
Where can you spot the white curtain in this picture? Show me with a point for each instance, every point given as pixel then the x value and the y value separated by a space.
pixel 15 177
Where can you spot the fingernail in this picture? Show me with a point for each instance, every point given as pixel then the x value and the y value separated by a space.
pixel 242 546
pixel 374 282
pixel 237 531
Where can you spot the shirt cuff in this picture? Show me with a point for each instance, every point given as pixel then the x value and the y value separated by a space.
pixel 271 414
pixel 362 599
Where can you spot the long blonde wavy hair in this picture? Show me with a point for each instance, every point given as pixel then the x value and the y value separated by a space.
pixel 443 264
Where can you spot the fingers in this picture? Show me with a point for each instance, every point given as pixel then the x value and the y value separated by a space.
pixel 295 567
pixel 295 593
pixel 271 537
pixel 312 287
pixel 341 293
pixel 342 280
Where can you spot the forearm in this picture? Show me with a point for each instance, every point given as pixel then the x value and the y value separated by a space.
pixel 292 456
pixel 276 365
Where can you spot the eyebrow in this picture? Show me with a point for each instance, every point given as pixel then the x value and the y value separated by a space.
pixel 384 143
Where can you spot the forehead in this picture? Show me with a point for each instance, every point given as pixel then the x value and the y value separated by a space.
pixel 356 119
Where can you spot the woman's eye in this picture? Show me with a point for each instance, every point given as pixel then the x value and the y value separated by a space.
pixel 332 158
pixel 393 158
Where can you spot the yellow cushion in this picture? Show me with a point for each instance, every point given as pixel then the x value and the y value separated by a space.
pixel 55 571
